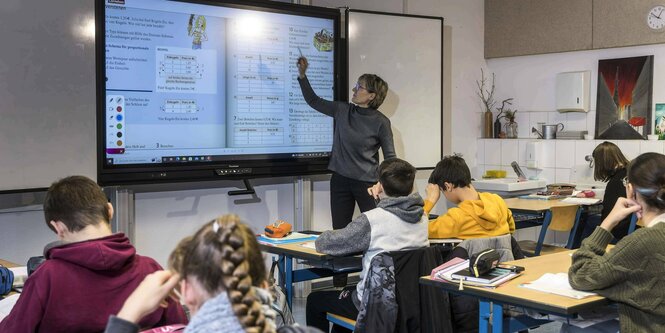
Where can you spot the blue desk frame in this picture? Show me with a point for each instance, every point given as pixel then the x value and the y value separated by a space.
pixel 325 265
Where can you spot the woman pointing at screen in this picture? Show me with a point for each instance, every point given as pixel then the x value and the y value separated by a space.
pixel 360 130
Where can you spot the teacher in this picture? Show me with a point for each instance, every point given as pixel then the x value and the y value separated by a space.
pixel 360 130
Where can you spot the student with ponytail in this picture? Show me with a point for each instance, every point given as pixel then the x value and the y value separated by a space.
pixel 631 273
pixel 214 268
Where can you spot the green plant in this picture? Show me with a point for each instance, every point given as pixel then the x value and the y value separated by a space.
pixel 503 109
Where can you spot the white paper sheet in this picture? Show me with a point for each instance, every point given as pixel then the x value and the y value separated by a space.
pixel 556 283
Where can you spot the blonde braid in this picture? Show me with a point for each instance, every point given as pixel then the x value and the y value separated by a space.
pixel 235 276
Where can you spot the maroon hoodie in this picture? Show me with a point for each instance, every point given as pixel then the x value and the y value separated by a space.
pixel 81 284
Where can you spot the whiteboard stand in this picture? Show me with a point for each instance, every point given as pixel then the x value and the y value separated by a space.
pixel 123 203
pixel 302 201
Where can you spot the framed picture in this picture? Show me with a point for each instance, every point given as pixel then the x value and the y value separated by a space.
pixel 659 127
pixel 623 105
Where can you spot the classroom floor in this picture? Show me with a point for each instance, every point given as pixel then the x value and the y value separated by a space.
pixel 299 304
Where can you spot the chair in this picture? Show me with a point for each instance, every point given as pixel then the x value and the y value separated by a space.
pixel 395 301
pixel 633 224
pixel 338 320
pixel 566 218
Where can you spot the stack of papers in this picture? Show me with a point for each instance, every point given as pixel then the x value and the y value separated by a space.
pixel 557 283
pixel 294 237
pixel 581 201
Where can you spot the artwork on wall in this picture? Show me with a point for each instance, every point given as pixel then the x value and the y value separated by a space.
pixel 659 128
pixel 623 105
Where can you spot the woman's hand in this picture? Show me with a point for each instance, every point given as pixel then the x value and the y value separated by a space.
pixel 302 65
pixel 433 193
pixel 150 294
pixel 621 210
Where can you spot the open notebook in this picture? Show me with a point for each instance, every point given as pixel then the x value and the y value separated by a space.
pixel 557 283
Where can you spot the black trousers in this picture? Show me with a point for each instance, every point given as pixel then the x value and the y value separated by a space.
pixel 336 302
pixel 344 194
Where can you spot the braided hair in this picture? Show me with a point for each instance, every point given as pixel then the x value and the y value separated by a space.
pixel 218 257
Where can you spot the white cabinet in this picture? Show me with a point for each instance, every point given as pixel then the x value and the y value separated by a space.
pixel 572 91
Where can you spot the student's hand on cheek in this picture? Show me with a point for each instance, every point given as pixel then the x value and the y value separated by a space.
pixel 375 190
pixel 621 210
pixel 433 193
pixel 149 295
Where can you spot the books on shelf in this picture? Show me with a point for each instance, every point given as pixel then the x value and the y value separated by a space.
pixel 457 270
pixel 294 237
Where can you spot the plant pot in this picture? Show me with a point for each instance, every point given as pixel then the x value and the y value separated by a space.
pixel 511 130
pixel 487 124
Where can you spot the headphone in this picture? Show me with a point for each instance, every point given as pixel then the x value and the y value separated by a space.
pixel 6 280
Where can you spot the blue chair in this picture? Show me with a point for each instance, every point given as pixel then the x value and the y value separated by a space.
pixel 633 224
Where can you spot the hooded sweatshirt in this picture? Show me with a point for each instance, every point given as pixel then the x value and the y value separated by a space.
pixel 486 217
pixel 81 284
pixel 396 224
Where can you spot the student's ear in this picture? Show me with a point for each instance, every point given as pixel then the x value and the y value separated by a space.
pixel 60 228
pixel 109 210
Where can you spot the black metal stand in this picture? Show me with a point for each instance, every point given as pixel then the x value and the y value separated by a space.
pixel 249 189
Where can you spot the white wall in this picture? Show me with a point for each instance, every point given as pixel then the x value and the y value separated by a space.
pixel 163 218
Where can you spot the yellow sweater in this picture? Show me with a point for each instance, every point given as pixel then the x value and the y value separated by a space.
pixel 486 217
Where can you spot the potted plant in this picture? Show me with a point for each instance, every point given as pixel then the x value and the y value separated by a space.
pixel 487 98
pixel 509 115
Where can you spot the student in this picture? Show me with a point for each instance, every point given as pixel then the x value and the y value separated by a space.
pixel 609 166
pixel 477 214
pixel 631 273
pixel 396 224
pixel 360 130
pixel 215 268
pixel 88 273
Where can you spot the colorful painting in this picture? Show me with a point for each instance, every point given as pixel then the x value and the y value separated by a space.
pixel 659 128
pixel 623 105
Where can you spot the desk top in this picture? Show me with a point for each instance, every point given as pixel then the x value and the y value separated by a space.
pixel 296 250
pixel 512 293
pixel 534 204
pixel 8 263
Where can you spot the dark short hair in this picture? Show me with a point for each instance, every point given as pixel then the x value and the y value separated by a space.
pixel 647 175
pixel 607 158
pixel 76 201
pixel 375 84
pixel 451 169
pixel 396 177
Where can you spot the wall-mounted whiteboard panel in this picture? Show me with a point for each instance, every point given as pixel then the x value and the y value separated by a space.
pixel 47 92
pixel 407 52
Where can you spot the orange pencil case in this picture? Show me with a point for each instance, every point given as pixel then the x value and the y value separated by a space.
pixel 278 229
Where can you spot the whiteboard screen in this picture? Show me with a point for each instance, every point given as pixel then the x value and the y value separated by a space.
pixel 47 92
pixel 406 51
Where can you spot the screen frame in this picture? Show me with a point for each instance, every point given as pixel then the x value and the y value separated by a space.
pixel 255 166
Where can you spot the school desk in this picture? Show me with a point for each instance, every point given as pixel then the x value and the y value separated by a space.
pixel 323 264
pixel 8 263
pixel 491 301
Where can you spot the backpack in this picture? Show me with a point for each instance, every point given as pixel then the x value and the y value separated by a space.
pixel 6 280
pixel 280 305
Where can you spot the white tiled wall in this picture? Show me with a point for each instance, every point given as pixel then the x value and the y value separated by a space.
pixel 562 160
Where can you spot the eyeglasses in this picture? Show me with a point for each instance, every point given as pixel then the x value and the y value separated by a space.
pixel 358 87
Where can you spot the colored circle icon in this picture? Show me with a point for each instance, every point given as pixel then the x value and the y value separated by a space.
pixel 119 134
pixel 119 108
pixel 119 143
pixel 118 117
pixel 119 126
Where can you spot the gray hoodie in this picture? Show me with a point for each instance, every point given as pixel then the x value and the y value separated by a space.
pixel 396 224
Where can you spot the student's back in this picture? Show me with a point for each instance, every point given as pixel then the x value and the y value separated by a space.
pixel 477 215
pixel 80 285
pixel 88 273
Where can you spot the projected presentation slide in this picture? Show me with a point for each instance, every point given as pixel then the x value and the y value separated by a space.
pixel 191 82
